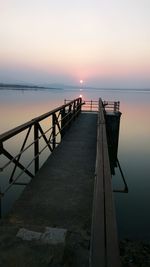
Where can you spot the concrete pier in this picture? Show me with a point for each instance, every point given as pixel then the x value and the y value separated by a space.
pixel 59 196
pixel 65 216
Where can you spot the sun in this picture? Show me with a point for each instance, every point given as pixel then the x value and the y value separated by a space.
pixel 81 81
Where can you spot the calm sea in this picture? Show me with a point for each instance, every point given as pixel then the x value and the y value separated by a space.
pixel 132 208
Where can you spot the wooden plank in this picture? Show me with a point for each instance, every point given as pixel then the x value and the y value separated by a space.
pixel 97 252
pixel 104 243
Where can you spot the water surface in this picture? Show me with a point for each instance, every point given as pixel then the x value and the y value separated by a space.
pixel 132 208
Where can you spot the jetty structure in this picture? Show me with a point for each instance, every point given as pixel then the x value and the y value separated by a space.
pixel 65 215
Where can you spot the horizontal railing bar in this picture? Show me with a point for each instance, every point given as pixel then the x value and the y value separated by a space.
pixel 16 130
pixel 9 156
pixel 10 161
pixel 89 105
pixel 21 184
pixel 7 164
pixel 21 128
pixel 93 104
pixel 85 101
pixel 26 168
pixel 39 118
pixel 91 101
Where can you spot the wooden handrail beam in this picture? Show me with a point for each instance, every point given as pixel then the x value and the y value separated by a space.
pixel 104 250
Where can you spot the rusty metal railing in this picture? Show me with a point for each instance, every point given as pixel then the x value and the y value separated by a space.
pixel 58 121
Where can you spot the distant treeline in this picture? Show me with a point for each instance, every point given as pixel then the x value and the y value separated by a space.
pixel 23 86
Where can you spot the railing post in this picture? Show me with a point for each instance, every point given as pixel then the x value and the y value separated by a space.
pixel 36 147
pixel 78 109
pixel 91 105
pixel 80 102
pixel 69 115
pixel 62 122
pixel 118 105
pixel 54 131
pixel 74 110
pixel 76 104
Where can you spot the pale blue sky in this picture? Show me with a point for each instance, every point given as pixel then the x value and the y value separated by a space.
pixel 105 43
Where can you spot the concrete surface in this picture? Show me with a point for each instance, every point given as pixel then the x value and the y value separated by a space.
pixel 59 196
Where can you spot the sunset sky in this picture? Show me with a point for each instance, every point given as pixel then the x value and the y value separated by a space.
pixel 105 43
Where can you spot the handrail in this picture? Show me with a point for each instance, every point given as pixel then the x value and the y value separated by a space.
pixel 61 117
pixel 104 250
pixel 111 106
pixel 22 127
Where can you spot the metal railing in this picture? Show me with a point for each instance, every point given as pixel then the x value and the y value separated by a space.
pixel 59 120
pixel 112 106
pixel 90 105
pixel 87 105
pixel 93 105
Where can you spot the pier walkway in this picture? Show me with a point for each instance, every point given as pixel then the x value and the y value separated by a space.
pixel 61 196
pixel 61 193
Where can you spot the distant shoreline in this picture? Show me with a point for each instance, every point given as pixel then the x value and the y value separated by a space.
pixel 6 86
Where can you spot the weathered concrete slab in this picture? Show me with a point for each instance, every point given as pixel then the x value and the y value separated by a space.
pixel 28 235
pixel 51 235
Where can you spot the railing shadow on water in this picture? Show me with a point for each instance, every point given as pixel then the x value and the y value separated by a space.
pixel 21 148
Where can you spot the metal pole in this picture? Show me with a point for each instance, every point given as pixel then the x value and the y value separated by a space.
pixel 36 147
pixel 54 131
pixel 91 105
pixel 62 122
